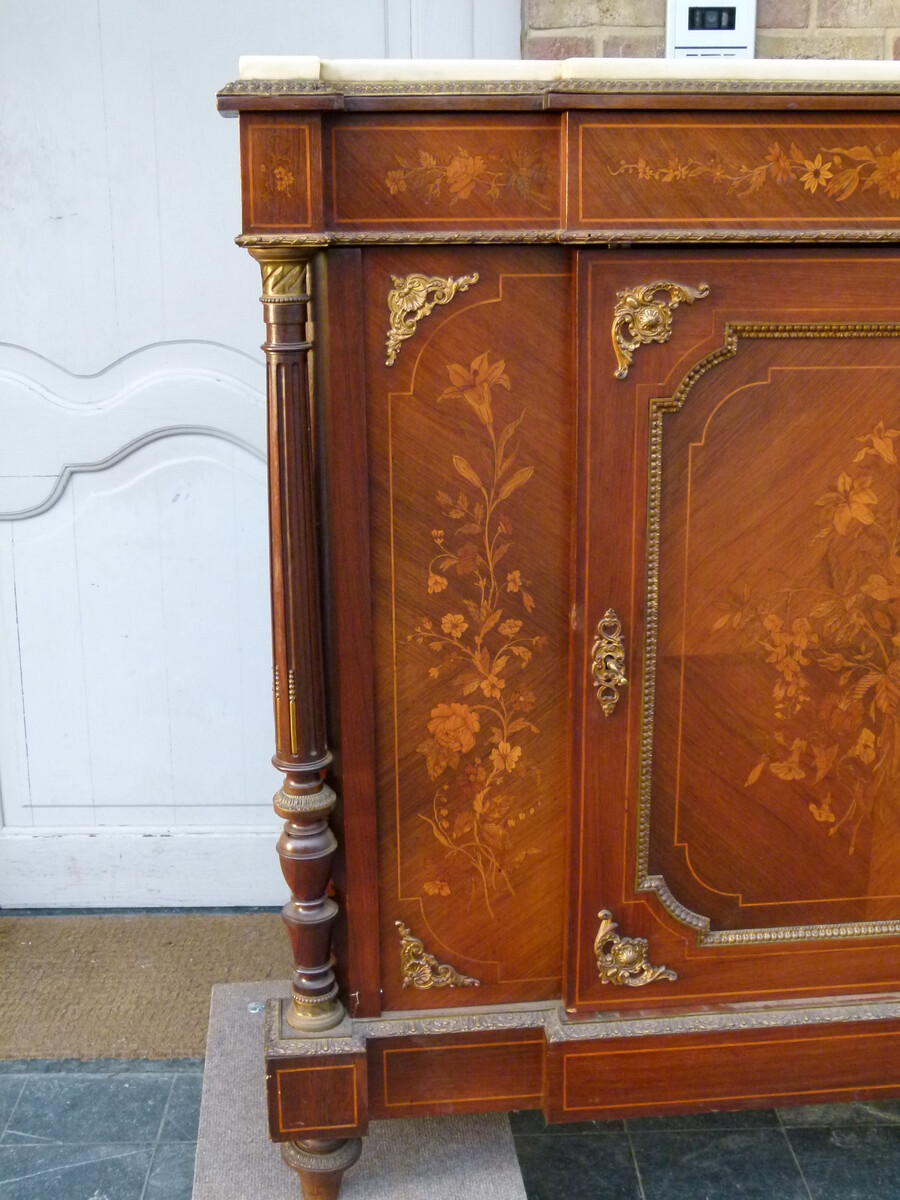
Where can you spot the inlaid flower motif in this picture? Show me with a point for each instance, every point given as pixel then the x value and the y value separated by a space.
pixel 853 501
pixel 887 175
pixel 832 171
pixel 816 174
pixel 780 165
pixel 505 756
pixel 455 624
pixel 284 178
pixel 833 644
pixel 461 175
pixel 476 749
pixel 454 726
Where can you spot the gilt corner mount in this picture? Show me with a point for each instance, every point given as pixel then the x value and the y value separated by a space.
pixel 412 298
pixel 422 970
pixel 640 316
pixel 623 960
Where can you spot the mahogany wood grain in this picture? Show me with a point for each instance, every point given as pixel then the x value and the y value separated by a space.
pixel 483 1072
pixel 342 472
pixel 318 1097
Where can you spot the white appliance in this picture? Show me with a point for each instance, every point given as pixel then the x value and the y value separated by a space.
pixel 701 30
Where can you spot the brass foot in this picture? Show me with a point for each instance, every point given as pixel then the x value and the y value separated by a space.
pixel 321 1164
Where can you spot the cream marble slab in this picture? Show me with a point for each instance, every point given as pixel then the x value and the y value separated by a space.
pixel 397 70
pixel 741 70
pixel 434 70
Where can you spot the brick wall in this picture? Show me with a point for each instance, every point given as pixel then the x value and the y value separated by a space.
pixel 785 28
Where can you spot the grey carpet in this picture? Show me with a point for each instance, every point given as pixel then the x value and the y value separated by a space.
pixel 455 1158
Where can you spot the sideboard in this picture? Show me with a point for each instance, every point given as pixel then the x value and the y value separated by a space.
pixel 584 475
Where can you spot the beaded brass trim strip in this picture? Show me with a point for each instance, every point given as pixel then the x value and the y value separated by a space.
pixel 516 87
pixel 646 882
pixel 351 1036
pixel 565 237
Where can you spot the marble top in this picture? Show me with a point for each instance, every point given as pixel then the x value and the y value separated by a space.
pixel 310 69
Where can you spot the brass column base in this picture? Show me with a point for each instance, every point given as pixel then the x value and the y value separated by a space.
pixel 321 1165
pixel 314 1016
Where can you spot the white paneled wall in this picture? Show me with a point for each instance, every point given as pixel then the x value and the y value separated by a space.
pixel 135 715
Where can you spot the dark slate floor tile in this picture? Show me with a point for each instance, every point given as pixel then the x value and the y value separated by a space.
pixel 589 1167
pixel 73 1172
pixel 757 1118
pixel 183 1114
pixel 80 1110
pixel 737 1165
pixel 172 1172
pixel 10 1089
pixel 887 1112
pixel 855 1163
pixel 100 1066
pixel 533 1122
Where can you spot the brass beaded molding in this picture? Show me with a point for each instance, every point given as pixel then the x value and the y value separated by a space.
pixel 351 1036
pixel 647 882
pixel 545 88
pixel 576 237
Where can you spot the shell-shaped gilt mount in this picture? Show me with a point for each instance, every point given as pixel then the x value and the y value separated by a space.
pixel 622 960
pixel 422 970
pixel 608 661
pixel 411 299
pixel 640 316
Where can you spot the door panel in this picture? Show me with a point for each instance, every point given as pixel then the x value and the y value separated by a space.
pixel 470 449
pixel 740 806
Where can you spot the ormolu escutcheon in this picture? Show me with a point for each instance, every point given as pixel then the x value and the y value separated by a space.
pixel 608 661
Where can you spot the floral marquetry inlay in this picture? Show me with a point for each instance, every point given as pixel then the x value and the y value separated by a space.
pixel 833 171
pixel 478 631
pixel 523 172
pixel 833 646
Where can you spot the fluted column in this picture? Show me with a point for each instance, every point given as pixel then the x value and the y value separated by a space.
pixel 307 845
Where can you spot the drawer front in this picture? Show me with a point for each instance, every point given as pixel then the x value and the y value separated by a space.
pixel 478 1073
pixel 432 172
pixel 640 1077
pixel 732 171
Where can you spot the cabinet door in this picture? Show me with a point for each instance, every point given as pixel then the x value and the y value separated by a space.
pixel 736 795
pixel 470 437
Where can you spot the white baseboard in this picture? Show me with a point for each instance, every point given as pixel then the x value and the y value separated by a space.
pixel 153 868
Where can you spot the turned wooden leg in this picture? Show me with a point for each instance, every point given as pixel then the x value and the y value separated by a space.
pixel 307 846
pixel 321 1165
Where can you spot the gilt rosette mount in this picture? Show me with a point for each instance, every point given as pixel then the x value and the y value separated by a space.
pixel 640 316
pixel 622 960
pixel 412 298
pixel 608 661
